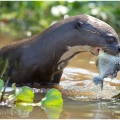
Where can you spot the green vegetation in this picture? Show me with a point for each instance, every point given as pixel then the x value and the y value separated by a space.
pixel 52 98
pixel 22 101
pixel 24 96
pixel 1 85
pixel 21 19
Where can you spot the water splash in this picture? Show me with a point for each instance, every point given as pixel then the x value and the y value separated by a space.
pixel 89 91
pixel 85 89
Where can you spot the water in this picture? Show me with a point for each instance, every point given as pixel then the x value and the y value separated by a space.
pixel 82 99
pixel 97 109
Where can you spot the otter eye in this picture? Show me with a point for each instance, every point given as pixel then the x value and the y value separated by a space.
pixel 110 39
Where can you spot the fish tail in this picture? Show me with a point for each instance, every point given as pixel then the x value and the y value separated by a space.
pixel 98 81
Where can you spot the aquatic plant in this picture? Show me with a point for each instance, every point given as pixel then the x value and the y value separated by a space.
pixel 1 85
pixel 22 101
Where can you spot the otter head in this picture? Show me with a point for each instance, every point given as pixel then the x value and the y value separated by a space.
pixel 97 34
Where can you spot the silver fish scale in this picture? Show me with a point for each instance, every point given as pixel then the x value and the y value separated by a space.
pixel 108 65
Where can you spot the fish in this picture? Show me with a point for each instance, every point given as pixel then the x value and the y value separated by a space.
pixel 107 65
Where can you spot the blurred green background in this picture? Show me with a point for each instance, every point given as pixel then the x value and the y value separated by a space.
pixel 21 19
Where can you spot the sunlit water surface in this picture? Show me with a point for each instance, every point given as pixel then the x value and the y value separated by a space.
pixel 82 99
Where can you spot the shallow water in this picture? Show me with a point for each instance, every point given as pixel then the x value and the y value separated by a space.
pixel 72 109
pixel 82 99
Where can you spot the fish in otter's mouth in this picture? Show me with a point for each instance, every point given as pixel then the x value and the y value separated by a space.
pixel 107 65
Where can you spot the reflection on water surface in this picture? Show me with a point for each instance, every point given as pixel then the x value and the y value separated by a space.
pixel 82 99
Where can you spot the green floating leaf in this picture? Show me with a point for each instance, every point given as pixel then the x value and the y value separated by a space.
pixel 25 94
pixel 52 98
pixel 53 112
pixel 1 85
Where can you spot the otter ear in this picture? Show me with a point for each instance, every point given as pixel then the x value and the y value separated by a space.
pixel 78 24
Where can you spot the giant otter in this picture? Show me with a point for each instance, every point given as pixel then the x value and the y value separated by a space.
pixel 43 57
